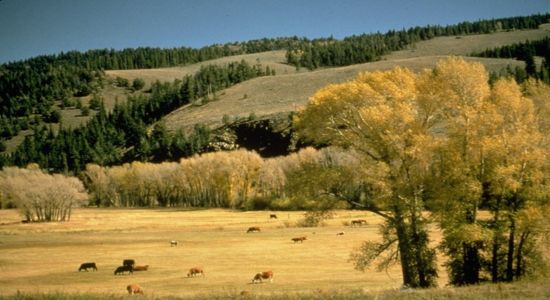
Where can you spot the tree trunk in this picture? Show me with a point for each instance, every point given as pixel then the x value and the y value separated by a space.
pixel 470 260
pixel 404 251
pixel 496 243
pixel 519 254
pixel 510 256
pixel 471 265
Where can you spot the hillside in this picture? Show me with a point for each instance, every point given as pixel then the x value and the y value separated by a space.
pixel 286 92
pixel 290 88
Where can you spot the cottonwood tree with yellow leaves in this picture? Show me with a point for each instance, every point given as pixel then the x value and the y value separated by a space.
pixel 444 140
pixel 380 116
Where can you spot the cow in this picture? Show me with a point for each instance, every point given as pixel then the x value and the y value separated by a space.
pixel 141 268
pixel 195 271
pixel 122 269
pixel 129 262
pixel 259 277
pixel 300 239
pixel 253 229
pixel 86 266
pixel 340 233
pixel 134 289
pixel 358 222
pixel 273 216
pixel 173 243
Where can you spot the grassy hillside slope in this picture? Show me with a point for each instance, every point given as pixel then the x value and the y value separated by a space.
pixel 274 59
pixel 287 92
pixel 291 88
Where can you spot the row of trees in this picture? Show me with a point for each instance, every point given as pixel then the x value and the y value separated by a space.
pixel 525 51
pixel 239 179
pixel 122 135
pixel 446 141
pixel 29 88
pixel 369 47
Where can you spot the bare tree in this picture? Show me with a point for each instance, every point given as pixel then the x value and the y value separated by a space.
pixel 41 197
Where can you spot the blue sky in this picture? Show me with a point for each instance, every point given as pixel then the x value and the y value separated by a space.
pixel 34 27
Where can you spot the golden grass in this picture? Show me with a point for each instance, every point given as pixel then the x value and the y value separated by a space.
pixel 286 93
pixel 40 261
pixel 466 44
pixel 44 258
pixel 274 59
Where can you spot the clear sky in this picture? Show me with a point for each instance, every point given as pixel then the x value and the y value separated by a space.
pixel 34 27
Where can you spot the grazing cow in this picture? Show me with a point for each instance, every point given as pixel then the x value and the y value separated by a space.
pixel 86 266
pixel 196 271
pixel 273 216
pixel 358 222
pixel 300 239
pixel 173 243
pixel 134 289
pixel 129 262
pixel 141 268
pixel 340 233
pixel 253 229
pixel 259 277
pixel 122 269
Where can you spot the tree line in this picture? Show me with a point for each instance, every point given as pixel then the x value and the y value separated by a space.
pixel 526 52
pixel 30 88
pixel 122 135
pixel 327 52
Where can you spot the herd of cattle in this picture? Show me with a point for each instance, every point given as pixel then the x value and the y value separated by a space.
pixel 129 265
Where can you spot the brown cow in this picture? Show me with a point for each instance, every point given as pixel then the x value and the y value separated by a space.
pixel 259 277
pixel 273 216
pixel 173 243
pixel 341 233
pixel 300 239
pixel 134 289
pixel 196 271
pixel 141 268
pixel 253 229
pixel 358 222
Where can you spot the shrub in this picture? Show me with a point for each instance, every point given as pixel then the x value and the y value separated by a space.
pixel 138 84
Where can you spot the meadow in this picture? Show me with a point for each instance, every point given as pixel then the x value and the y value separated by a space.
pixel 44 258
pixel 41 261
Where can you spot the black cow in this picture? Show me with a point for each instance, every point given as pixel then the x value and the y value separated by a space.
pixel 253 229
pixel 86 266
pixel 122 269
pixel 129 262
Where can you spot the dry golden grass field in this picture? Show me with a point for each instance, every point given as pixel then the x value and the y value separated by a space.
pixel 41 261
pixel 44 258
